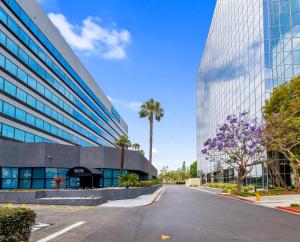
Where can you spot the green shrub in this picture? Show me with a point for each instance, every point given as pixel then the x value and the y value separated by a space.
pixel 295 205
pixel 180 182
pixel 224 190
pixel 16 223
pixel 156 181
pixel 130 179
pixel 146 183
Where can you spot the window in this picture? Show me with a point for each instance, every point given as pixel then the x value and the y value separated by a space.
pixel 9 110
pixel 31 100
pixel 11 67
pixel 20 115
pixel 7 131
pixel 9 177
pixel 12 46
pixel 19 135
pixel 30 119
pixel 10 88
pixel 32 82
pixel 22 75
pixel 23 56
pixel 21 95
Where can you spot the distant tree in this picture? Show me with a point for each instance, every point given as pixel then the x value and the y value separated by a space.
pixel 238 142
pixel 142 152
pixel 123 143
pixel 282 123
pixel 136 146
pixel 151 109
pixel 183 166
pixel 58 181
pixel 193 170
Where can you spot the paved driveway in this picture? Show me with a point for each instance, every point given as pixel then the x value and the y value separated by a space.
pixel 182 214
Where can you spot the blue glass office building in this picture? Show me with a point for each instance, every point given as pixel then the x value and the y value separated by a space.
pixel 252 47
pixel 46 94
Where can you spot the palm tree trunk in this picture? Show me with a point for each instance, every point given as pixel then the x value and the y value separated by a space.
pixel 121 164
pixel 150 149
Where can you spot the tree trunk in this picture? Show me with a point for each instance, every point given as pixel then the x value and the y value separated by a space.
pixel 150 149
pixel 295 169
pixel 241 175
pixel 121 164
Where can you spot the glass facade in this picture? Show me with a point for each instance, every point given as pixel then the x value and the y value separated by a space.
pixel 252 47
pixel 44 98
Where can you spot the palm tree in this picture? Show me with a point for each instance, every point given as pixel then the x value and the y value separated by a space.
pixel 123 143
pixel 151 109
pixel 136 146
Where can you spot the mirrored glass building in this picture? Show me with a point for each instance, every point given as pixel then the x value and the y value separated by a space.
pixel 252 47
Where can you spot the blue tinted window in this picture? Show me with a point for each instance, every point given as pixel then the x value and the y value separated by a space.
pixel 8 109
pixel 1 83
pixel 25 173
pixel 10 88
pixel 29 137
pixel 11 67
pixel 31 100
pixel 19 135
pixel 13 26
pixel 31 82
pixel 21 95
pixel 23 56
pixel 2 60
pixel 9 172
pixel 25 183
pixel 12 46
pixel 3 15
pixel 38 183
pixel 9 183
pixel 51 172
pixel 38 173
pixel 22 75
pixel 30 119
pixel 33 65
pixel 24 37
pixel 20 115
pixel 40 106
pixel 2 38
pixel 39 123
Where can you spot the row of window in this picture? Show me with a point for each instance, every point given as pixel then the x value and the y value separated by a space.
pixel 30 119
pixel 12 46
pixel 26 98
pixel 30 100
pixel 37 178
pixel 41 37
pixel 13 177
pixel 17 134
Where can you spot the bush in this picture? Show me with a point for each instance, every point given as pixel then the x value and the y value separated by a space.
pixel 295 205
pixel 180 182
pixel 130 180
pixel 16 223
pixel 146 183
pixel 156 181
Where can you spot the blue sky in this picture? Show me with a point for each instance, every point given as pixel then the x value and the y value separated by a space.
pixel 138 49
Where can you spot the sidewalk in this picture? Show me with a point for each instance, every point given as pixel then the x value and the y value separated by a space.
pixel 277 201
pixel 143 200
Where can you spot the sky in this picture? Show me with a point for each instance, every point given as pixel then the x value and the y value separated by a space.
pixel 139 49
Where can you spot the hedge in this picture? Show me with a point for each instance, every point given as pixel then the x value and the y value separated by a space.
pixel 16 223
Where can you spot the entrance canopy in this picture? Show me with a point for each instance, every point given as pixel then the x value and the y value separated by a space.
pixel 80 171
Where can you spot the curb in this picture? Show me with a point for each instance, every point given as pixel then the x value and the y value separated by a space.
pixel 230 196
pixel 287 209
pixel 162 189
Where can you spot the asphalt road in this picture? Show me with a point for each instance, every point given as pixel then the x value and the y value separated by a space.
pixel 184 214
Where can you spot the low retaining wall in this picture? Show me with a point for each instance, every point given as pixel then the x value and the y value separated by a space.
pixel 104 194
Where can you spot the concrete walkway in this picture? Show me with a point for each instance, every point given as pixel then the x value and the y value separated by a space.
pixel 277 200
pixel 143 200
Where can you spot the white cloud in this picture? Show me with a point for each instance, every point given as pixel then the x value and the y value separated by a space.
pixel 155 151
pixel 92 37
pixel 129 105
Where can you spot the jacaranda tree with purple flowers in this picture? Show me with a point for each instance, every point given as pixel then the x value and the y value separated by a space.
pixel 238 142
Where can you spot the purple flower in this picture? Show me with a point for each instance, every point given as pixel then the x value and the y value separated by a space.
pixel 244 113
pixel 204 151
pixel 233 120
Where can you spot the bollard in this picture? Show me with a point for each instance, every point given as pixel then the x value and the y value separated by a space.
pixel 257 197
